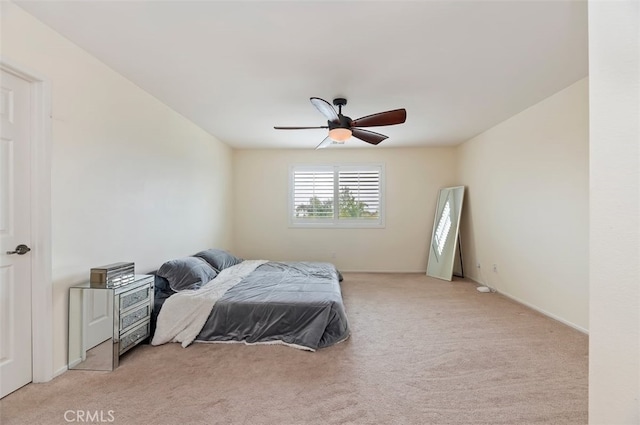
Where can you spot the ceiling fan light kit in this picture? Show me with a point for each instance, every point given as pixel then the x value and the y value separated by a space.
pixel 342 127
pixel 340 135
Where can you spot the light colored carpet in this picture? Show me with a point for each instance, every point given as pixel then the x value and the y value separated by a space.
pixel 422 351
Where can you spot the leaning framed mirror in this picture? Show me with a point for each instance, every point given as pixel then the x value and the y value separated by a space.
pixel 444 237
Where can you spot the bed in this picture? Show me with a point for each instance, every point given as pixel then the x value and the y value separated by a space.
pixel 214 296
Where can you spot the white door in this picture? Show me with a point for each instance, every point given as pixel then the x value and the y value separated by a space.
pixel 15 229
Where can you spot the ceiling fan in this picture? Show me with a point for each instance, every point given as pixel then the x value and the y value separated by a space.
pixel 342 127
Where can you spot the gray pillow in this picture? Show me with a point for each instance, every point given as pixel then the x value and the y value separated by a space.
pixel 218 258
pixel 187 273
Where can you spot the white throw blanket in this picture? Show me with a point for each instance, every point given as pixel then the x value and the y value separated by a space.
pixel 184 314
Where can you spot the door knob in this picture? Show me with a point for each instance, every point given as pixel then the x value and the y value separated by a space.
pixel 20 250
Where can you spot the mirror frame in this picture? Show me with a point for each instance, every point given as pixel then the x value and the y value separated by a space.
pixel 442 252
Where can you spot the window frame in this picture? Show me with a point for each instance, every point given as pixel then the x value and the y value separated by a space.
pixel 336 222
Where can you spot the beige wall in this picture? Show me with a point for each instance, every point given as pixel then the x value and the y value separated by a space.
pixel 131 179
pixel 413 177
pixel 614 334
pixel 526 209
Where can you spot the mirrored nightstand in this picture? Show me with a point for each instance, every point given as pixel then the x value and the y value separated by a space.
pixel 104 323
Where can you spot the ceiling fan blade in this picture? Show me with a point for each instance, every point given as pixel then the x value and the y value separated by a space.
pixel 397 116
pixel 368 136
pixel 325 108
pixel 326 142
pixel 298 128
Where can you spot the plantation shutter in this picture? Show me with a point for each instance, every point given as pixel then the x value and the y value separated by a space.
pixel 336 195
pixel 359 194
pixel 313 194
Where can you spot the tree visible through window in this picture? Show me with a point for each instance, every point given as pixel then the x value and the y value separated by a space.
pixel 315 208
pixel 355 189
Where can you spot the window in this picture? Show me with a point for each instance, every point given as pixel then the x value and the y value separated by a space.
pixel 336 195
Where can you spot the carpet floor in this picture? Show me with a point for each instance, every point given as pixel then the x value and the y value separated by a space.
pixel 421 351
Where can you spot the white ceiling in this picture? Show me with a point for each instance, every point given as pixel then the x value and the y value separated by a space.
pixel 238 68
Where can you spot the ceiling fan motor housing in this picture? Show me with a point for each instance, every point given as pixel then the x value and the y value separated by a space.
pixel 343 122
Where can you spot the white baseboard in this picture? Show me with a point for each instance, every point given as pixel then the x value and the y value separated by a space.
pixel 382 271
pixel 74 363
pixel 60 371
pixel 534 307
pixel 546 313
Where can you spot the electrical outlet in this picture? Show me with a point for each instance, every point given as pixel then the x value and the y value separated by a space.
pixel 495 268
pixel 333 255
pixel 478 265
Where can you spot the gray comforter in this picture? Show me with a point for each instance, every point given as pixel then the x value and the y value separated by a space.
pixel 298 303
